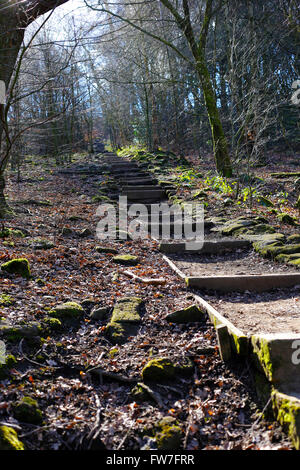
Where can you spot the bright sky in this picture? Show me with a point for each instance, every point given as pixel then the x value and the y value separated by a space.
pixel 73 8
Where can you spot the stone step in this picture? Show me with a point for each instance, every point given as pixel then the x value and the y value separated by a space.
pixel 129 174
pixel 209 246
pixel 144 194
pixel 142 187
pixel 123 166
pixel 138 181
pixel 167 231
pixel 241 283
pixel 149 206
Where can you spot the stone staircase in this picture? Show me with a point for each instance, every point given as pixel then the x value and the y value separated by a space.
pixel 272 353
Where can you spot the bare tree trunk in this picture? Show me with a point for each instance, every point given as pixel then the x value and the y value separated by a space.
pixel 13 22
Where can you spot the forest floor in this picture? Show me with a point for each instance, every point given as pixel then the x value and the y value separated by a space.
pixel 216 408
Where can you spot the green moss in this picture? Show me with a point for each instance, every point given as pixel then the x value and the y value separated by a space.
pixel 116 332
pixel 9 439
pixel 287 411
pixel 125 319
pixel 7 243
pixel 274 251
pixel 9 363
pixel 27 411
pixel 126 260
pixel 240 343
pixel 293 239
pixel 17 266
pixel 263 350
pixel 127 310
pixel 236 225
pixel 169 437
pixel 6 300
pixel 167 434
pixel 288 258
pixel 256 229
pixel 68 310
pixel 15 333
pixel 159 370
pixel 264 201
pixel 263 353
pixel 295 262
pixel 9 232
pixel 52 324
pixel 287 219
pixel 186 315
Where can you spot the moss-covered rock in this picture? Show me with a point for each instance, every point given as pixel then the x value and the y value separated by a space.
pixel 293 239
pixel 10 362
pixel 17 266
pixel 294 262
pixel 30 329
pixel 126 260
pixel 67 232
pixel 35 202
pixel 42 244
pixel 9 439
pixel 167 433
pixel 10 232
pixel 189 314
pixel 67 310
pixel 52 324
pixel 256 229
pixel 285 258
pixel 106 249
pixel 99 313
pixel 6 300
pixel 125 319
pixel 118 333
pixel 139 393
pixel 266 239
pixel 287 412
pixel 27 411
pixel 163 370
pixel 14 333
pixel 127 310
pixel 287 218
pixel 236 225
pixel 275 251
pixel 8 243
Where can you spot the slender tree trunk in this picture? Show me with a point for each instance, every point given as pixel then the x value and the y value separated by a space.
pixel 220 146
pixel 10 43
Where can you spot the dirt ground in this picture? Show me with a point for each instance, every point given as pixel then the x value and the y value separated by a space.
pixel 232 263
pixel 277 311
